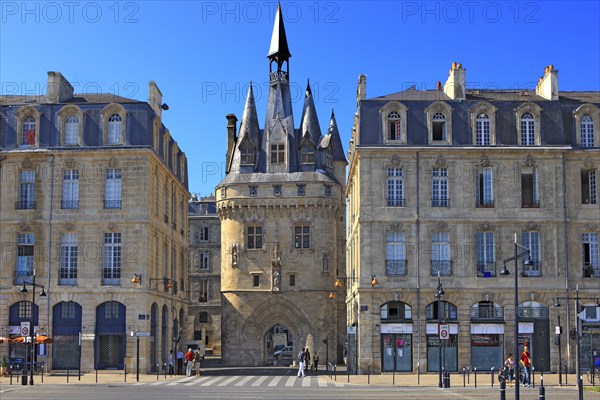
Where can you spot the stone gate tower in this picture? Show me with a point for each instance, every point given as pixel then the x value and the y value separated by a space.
pixel 283 222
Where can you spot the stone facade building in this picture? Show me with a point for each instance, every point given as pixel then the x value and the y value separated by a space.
pixel 444 183
pixel 205 272
pixel 93 206
pixel 282 215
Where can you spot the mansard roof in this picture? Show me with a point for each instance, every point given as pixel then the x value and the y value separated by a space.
pixel 556 117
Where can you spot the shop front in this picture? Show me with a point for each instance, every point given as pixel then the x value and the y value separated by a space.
pixel 449 348
pixel 396 347
pixel 487 344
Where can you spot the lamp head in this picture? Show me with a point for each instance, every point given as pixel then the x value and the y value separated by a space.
pixel 597 303
pixel 24 289
pixel 374 281
pixel 338 283
pixel 557 304
pixel 504 271
pixel 528 261
pixel 43 292
pixel 440 291
pixel 136 278
pixel 331 296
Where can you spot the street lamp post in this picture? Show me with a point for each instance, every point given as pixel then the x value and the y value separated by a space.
pixel 32 321
pixel 438 294
pixel 577 337
pixel 505 271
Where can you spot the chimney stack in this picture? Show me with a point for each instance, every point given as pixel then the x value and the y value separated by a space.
pixel 455 86
pixel 155 98
pixel 547 86
pixel 231 139
pixel 59 89
pixel 361 90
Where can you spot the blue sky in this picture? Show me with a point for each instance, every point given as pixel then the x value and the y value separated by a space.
pixel 203 54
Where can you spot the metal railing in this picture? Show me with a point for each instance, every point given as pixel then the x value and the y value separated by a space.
pixel 396 267
pixel 443 266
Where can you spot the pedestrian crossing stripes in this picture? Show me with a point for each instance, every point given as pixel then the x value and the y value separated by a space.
pixel 251 380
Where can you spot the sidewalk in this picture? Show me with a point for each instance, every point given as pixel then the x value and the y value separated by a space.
pixel 386 379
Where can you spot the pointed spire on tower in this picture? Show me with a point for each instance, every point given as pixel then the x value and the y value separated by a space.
pixel 279 50
pixel 249 124
pixel 334 133
pixel 309 124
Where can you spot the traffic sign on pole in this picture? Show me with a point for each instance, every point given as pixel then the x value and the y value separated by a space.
pixel 444 331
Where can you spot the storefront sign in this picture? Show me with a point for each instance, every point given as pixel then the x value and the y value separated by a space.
pixel 525 327
pixel 485 340
pixel 487 328
pixel 396 328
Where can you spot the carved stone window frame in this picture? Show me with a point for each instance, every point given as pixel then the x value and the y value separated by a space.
pixel 70 110
pixel 386 110
pixel 593 112
pixel 444 109
pixel 483 107
pixel 107 112
pixel 535 111
pixel 22 114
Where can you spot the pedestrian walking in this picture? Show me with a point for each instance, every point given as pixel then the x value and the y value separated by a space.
pixel 316 362
pixel 171 363
pixel 189 362
pixel 525 360
pixel 197 358
pixel 510 364
pixel 301 359
pixel 307 359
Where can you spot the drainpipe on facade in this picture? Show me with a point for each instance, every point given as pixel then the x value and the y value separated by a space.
pixel 566 253
pixel 49 248
pixel 418 273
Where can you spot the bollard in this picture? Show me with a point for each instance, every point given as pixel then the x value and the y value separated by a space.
pixel 566 375
pixel 492 376
pixel 42 374
pixel 157 371
pixel 469 375
pixel 165 369
pixel 447 379
pixel 464 377
pixel 24 377
pixel 334 372
pixel 475 376
pixel 369 376
pixel 67 374
pixel 532 376
pixel 394 377
pixel 125 373
pixel 502 390
pixel 542 389
pixel 96 375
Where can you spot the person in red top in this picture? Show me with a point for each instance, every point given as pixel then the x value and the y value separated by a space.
pixel 189 358
pixel 525 360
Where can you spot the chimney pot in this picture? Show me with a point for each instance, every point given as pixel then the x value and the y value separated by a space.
pixel 453 64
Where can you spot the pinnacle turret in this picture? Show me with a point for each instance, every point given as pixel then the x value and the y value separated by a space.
pixel 279 50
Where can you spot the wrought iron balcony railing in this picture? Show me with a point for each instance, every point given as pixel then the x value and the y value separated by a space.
pixel 396 267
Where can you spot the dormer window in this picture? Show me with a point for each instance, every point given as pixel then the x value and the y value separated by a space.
pixel 114 121
pixel 329 157
pixel 439 123
pixel 71 130
pixel 114 129
pixel 528 124
pixel 527 130
pixel 393 126
pixel 587 131
pixel 393 123
pixel 439 127
pixel 277 153
pixel 246 154
pixel 307 154
pixel 482 130
pixel 28 135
